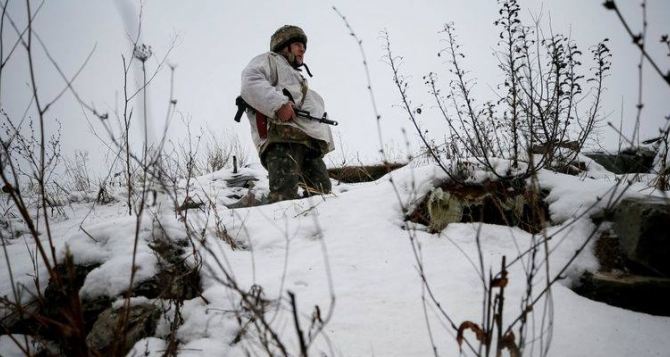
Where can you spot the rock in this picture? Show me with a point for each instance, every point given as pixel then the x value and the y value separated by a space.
pixel 58 297
pixel 42 317
pixel 443 208
pixel 92 324
pixel 170 283
pixel 608 252
pixel 72 278
pixel 643 228
pixel 631 160
pixel 141 323
pixel 175 279
pixel 638 293
pixel 90 310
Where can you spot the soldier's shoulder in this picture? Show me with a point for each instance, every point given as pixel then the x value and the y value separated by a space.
pixel 261 58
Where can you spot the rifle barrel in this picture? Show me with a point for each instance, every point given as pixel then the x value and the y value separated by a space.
pixel 305 114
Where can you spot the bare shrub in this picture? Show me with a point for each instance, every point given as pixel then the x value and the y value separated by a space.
pixel 217 156
pixel 539 106
pixel 76 171
pixel 28 157
pixel 660 143
pixel 541 118
pixel 220 150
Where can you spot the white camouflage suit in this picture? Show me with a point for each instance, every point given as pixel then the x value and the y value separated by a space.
pixel 291 151
pixel 260 93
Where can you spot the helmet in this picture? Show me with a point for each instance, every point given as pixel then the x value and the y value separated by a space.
pixel 285 35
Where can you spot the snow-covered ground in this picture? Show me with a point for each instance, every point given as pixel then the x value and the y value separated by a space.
pixel 352 252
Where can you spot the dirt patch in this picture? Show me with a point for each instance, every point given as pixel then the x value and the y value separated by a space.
pixel 355 174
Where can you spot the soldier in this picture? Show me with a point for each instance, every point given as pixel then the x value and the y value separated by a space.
pixel 291 148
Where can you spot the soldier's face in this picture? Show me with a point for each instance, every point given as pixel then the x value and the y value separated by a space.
pixel 298 49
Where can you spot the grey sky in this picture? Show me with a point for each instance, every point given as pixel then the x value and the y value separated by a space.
pixel 216 39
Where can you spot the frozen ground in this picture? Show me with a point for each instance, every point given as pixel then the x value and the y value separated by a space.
pixel 351 252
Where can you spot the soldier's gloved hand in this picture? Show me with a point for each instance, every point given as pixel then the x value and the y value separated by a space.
pixel 285 113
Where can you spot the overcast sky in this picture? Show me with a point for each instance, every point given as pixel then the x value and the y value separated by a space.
pixel 216 39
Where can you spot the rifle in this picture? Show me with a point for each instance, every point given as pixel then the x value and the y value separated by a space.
pixel 305 114
pixel 242 107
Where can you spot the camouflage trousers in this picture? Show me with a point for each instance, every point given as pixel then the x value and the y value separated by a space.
pixel 291 165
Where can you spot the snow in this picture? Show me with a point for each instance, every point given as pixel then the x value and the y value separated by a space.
pixel 148 347
pixel 9 348
pixel 113 247
pixel 352 252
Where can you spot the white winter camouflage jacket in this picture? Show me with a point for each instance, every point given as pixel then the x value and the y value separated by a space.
pixel 259 92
